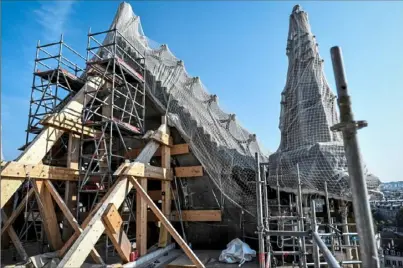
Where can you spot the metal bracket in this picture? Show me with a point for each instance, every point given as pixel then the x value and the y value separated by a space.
pixel 353 125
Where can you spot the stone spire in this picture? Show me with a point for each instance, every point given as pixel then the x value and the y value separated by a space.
pixel 308 109
pixel 307 103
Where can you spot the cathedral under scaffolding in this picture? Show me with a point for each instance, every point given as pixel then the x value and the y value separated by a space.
pixel 125 152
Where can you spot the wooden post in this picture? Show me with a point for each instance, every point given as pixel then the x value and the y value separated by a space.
pixel 79 251
pixel 141 220
pixel 164 237
pixel 70 195
pixel 48 215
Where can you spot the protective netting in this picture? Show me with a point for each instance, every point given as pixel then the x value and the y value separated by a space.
pixel 224 148
pixel 308 110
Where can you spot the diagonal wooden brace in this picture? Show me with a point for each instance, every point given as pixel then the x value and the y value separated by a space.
pixel 70 218
pixel 166 224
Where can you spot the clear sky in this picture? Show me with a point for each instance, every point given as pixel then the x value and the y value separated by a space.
pixel 237 48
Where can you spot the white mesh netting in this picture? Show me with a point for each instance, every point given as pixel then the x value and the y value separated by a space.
pixel 308 110
pixel 224 148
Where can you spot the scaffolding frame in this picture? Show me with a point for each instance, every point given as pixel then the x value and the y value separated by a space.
pixel 362 215
pixel 55 79
pixel 298 225
pixel 115 113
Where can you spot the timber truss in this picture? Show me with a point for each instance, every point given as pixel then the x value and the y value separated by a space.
pixel 105 217
pixel 82 116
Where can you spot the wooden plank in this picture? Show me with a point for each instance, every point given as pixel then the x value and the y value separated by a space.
pixel 191 216
pixel 115 232
pixel 188 172
pixel 147 171
pixel 112 219
pixel 70 218
pixel 141 220
pixel 67 123
pixel 198 215
pixel 166 223
pixel 14 238
pixel 48 215
pixel 16 170
pixel 44 141
pixel 17 211
pixel 79 251
pixel 156 195
pixel 177 149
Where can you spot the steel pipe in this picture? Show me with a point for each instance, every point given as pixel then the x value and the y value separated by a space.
pixel 358 184
pixel 330 259
pixel 260 227
pixel 287 233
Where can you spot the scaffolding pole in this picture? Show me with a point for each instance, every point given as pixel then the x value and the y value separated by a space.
pixel 358 185
pixel 266 214
pixel 315 249
pixel 301 221
pixel 260 227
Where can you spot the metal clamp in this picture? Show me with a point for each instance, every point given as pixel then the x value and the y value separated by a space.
pixel 353 125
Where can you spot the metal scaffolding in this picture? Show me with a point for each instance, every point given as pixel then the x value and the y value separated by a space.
pixel 114 113
pixel 312 235
pixel 293 228
pixel 56 78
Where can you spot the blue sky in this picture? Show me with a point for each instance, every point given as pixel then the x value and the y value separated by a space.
pixel 238 50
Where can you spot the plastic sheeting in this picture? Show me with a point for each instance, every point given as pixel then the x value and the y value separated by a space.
pixel 237 252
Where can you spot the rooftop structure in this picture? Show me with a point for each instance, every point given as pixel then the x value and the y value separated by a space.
pixel 135 132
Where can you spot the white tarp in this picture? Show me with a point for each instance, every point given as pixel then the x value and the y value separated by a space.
pixel 237 251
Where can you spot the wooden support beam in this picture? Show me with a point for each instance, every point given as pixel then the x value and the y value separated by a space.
pixel 70 218
pixel 198 215
pixel 188 172
pixel 48 215
pixel 16 170
pixel 44 141
pixel 68 123
pixel 191 216
pixel 114 230
pixel 17 211
pixel 167 224
pixel 82 246
pixel 141 220
pixel 164 237
pixel 14 238
pixel 147 171
pixel 156 195
pixel 176 149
